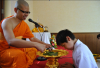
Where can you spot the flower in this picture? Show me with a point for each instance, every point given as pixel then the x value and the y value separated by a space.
pixel 53 41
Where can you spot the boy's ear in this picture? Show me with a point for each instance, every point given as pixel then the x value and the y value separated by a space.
pixel 68 38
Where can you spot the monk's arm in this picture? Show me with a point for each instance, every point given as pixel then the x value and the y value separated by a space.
pixel 34 39
pixel 10 38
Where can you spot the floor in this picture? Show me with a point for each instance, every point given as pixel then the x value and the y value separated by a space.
pixel 40 64
pixel 98 63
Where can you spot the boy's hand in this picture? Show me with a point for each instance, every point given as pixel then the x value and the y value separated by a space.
pixel 66 65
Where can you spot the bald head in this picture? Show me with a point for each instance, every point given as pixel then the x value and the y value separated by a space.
pixel 19 4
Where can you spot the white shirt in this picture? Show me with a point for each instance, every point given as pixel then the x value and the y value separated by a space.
pixel 82 56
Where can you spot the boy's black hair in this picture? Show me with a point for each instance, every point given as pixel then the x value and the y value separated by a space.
pixel 61 36
pixel 98 36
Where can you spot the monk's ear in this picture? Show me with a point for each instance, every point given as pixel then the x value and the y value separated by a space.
pixel 15 9
pixel 68 38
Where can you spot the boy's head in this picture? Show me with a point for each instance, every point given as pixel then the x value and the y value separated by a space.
pixel 65 38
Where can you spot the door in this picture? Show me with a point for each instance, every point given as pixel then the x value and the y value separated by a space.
pixel 1 9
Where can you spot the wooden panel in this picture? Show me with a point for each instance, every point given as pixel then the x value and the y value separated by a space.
pixel 80 37
pixel 91 42
pixel 98 46
pixel 90 39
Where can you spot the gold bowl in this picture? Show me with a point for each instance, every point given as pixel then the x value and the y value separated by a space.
pixel 52 60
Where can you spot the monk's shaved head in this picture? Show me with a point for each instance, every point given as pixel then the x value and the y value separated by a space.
pixel 19 3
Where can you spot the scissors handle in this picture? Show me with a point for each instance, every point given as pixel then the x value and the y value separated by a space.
pixel 50 48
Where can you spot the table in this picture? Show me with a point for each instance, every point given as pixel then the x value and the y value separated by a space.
pixel 43 36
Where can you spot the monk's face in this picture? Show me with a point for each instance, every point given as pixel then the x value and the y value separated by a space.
pixel 23 12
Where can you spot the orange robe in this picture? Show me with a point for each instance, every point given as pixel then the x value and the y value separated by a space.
pixel 11 57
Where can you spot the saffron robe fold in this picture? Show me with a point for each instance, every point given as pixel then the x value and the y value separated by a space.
pixel 12 57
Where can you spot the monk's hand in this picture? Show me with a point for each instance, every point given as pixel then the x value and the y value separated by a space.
pixel 49 47
pixel 41 47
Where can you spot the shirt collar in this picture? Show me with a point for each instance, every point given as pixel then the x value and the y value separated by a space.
pixel 77 43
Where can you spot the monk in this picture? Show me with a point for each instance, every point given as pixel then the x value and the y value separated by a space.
pixel 15 52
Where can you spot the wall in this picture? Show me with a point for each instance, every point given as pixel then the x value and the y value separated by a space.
pixel 77 16
pixel 7 8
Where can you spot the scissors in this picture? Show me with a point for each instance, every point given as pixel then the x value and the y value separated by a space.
pixel 50 48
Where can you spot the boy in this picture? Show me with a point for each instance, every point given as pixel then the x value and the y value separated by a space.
pixel 82 56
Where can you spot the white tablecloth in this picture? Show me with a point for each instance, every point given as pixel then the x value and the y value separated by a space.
pixel 43 36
